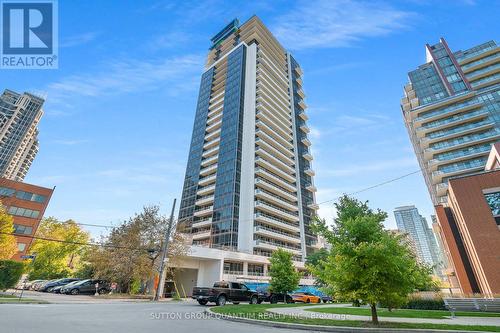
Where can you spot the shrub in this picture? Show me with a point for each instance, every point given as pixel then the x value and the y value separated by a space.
pixel 10 273
pixel 425 304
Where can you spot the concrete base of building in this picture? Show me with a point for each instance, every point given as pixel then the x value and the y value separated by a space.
pixel 203 266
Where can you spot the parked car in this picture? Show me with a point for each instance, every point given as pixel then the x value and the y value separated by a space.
pixel 47 287
pixel 223 292
pixel 87 287
pixel 305 297
pixel 57 290
pixel 327 299
pixel 39 284
pixel 266 296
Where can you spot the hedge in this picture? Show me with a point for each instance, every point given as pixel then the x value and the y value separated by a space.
pixel 425 304
pixel 10 273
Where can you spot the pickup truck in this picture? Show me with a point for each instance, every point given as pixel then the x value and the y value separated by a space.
pixel 223 292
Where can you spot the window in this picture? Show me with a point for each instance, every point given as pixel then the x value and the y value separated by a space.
pixel 21 247
pixel 493 200
pixel 18 211
pixel 22 229
pixel 30 196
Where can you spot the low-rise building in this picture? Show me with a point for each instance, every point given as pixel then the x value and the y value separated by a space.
pixel 26 203
pixel 470 228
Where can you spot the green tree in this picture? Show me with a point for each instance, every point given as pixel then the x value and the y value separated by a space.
pixel 367 263
pixel 10 273
pixel 56 259
pixel 8 244
pixel 131 254
pixel 284 277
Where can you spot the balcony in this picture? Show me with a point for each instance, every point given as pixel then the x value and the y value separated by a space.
pixel 437 176
pixel 275 222
pixel 313 205
pixel 206 190
pixel 201 235
pixel 435 162
pixel 275 148
pixel 274 179
pixel 298 70
pixel 305 141
pixel 452 121
pixel 441 189
pixel 269 166
pixel 207 180
pixel 302 105
pixel 283 130
pixel 300 92
pixel 299 81
pixel 211 152
pixel 309 172
pixel 286 148
pixel 204 201
pixel 210 160
pixel 275 199
pixel 271 233
pixel 209 170
pixel 449 111
pixel 283 213
pixel 202 223
pixel 212 120
pixel 275 246
pixel 307 155
pixel 264 128
pixel 211 136
pixel 214 126
pixel 203 211
pixel 271 187
pixel 310 187
pixel 286 164
pixel 424 143
pixel 304 128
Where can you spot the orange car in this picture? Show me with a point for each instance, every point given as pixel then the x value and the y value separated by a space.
pixel 306 298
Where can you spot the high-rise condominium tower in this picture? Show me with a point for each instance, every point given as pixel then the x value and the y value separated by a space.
pixel 19 117
pixel 248 184
pixel 452 112
pixel 411 222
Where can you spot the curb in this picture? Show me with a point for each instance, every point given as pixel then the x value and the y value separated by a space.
pixel 319 328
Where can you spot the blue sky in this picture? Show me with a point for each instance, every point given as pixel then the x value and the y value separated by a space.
pixel 120 108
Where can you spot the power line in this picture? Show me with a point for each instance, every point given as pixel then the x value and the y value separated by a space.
pixel 373 186
pixel 76 243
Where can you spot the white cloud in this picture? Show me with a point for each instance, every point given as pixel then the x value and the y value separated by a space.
pixel 129 76
pixel 67 142
pixel 77 40
pixel 169 39
pixel 339 23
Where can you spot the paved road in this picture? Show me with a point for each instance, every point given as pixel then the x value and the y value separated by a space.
pixel 121 317
pixel 58 298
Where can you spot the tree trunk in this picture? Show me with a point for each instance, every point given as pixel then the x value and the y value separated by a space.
pixel 374 313
pixel 284 298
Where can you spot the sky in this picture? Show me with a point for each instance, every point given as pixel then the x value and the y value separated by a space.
pixel 120 109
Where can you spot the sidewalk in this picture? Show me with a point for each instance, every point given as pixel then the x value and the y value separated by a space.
pixel 301 311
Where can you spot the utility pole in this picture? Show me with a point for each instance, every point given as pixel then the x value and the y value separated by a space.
pixel 163 271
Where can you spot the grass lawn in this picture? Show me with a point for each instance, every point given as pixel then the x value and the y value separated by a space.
pixel 405 313
pixel 7 299
pixel 260 312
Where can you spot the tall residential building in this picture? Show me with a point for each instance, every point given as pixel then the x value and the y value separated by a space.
pixel 451 110
pixel 411 222
pixel 19 117
pixel 248 186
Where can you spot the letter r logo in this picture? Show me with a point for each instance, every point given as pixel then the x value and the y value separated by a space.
pixel 27 27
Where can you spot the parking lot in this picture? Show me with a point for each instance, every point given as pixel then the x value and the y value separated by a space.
pixel 85 314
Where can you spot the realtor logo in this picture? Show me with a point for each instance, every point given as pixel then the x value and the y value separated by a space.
pixel 29 34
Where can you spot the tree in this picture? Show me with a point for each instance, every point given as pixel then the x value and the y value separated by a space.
pixel 10 273
pixel 8 244
pixel 60 258
pixel 367 263
pixel 131 252
pixel 284 277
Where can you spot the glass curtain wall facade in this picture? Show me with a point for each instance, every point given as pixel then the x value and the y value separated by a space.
pixel 19 117
pixel 249 180
pixel 451 110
